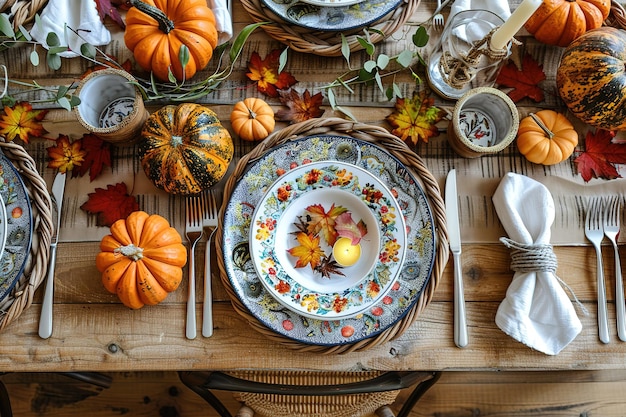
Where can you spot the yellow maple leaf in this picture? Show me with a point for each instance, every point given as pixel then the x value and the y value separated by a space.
pixel 22 121
pixel 415 118
pixel 309 250
pixel 65 155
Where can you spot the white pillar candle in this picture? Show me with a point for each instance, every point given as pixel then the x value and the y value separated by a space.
pixel 507 31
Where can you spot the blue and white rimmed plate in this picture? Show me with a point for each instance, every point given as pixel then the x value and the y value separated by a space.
pixel 326 17
pixel 3 225
pixel 299 220
pixel 246 195
pixel 19 226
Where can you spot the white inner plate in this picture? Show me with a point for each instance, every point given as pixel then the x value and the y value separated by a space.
pixel 336 188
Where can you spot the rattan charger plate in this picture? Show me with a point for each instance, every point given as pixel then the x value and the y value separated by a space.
pixel 327 43
pixel 35 269
pixel 21 11
pixel 382 138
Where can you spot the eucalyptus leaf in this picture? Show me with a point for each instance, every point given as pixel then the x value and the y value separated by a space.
pixel 88 50
pixel 282 60
pixel 420 37
pixel 367 45
pixel 405 58
pixel 345 112
pixel 241 39
pixel 331 98
pixel 65 103
pixel 6 27
pixel 382 61
pixel 183 56
pixel 369 66
pixel 53 61
pixel 34 58
pixel 396 91
pixel 379 81
pixel 345 49
pixel 24 32
pixel 62 90
pixel 55 50
pixel 74 101
pixel 52 39
pixel 365 75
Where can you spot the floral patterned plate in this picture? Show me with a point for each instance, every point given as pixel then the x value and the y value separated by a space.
pixel 304 215
pixel 331 18
pixel 19 226
pixel 249 191
pixel 3 225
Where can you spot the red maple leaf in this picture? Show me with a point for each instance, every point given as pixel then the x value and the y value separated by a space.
pixel 301 107
pixel 106 8
pixel 111 204
pixel 98 155
pixel 265 73
pixel 600 156
pixel 524 82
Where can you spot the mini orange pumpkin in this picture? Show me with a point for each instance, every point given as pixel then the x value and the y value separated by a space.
pixel 157 29
pixel 252 119
pixel 546 137
pixel 141 260
pixel 559 22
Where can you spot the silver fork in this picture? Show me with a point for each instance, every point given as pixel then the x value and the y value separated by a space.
pixel 438 20
pixel 595 233
pixel 209 223
pixel 611 230
pixel 194 207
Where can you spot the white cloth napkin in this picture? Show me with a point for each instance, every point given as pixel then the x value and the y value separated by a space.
pixel 499 7
pixel 80 15
pixel 536 310
pixel 223 20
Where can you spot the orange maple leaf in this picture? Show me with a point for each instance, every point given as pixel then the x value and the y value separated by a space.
pixel 308 252
pixel 111 204
pixel 524 82
pixel 323 222
pixel 64 155
pixel 301 107
pixel 265 73
pixel 22 121
pixel 415 118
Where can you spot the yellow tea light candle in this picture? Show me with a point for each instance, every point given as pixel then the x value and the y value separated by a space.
pixel 345 253
pixel 514 23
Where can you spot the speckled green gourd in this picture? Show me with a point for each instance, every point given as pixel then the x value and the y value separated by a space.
pixel 185 149
pixel 591 78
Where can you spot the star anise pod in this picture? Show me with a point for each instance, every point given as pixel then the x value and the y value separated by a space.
pixel 329 266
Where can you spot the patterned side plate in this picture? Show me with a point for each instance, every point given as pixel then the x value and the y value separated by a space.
pixel 324 17
pixel 19 226
pixel 309 209
pixel 420 248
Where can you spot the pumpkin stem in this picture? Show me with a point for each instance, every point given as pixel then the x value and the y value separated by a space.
pixel 131 251
pixel 542 125
pixel 165 24
pixel 252 114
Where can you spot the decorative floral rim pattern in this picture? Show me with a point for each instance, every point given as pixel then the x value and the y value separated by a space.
pixel 419 258
pixel 331 18
pixel 19 226
pixel 300 291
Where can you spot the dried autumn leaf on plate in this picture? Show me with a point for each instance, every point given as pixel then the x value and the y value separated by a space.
pixel 415 118
pixel 524 82
pixel 110 204
pixel 600 156
pixel 22 121
pixel 65 156
pixel 97 156
pixel 300 107
pixel 347 227
pixel 265 73
pixel 323 222
pixel 308 252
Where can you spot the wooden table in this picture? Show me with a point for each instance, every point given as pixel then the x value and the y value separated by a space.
pixel 94 332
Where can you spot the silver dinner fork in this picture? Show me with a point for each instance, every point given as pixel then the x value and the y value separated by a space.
pixel 194 207
pixel 611 230
pixel 209 223
pixel 595 233
pixel 438 20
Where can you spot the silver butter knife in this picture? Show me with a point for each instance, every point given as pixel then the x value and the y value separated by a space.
pixel 45 320
pixel 454 235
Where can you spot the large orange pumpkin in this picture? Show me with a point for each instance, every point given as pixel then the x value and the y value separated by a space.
pixel 559 22
pixel 185 149
pixel 157 29
pixel 141 260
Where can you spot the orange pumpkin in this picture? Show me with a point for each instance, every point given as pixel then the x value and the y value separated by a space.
pixel 559 22
pixel 252 119
pixel 546 137
pixel 141 260
pixel 156 30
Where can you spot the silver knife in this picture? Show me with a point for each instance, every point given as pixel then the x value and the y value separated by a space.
pixel 454 235
pixel 45 320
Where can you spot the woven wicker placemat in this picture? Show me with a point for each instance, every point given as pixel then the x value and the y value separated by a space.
pixel 21 297
pixel 368 133
pixel 22 11
pixel 327 43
